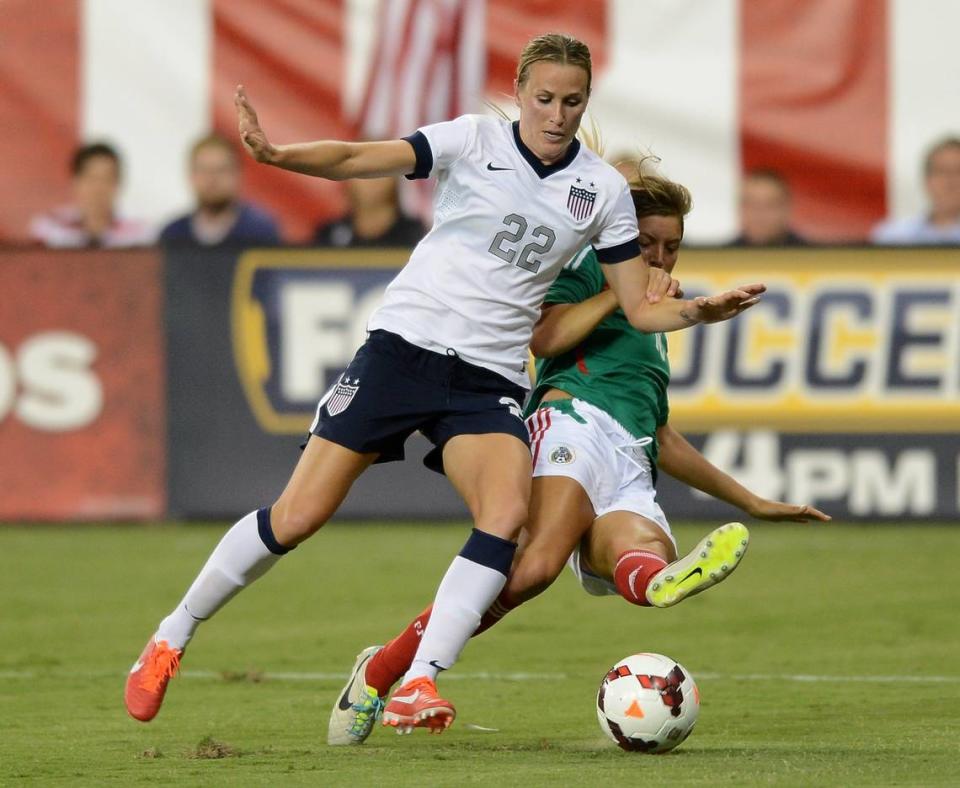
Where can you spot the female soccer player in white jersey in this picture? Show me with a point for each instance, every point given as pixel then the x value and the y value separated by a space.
pixel 446 351
pixel 599 427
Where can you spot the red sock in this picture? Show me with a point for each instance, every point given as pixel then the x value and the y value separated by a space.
pixel 633 572
pixel 502 605
pixel 391 662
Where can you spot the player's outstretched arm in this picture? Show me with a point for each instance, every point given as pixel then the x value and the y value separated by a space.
pixel 331 159
pixel 682 461
pixel 562 327
pixel 629 280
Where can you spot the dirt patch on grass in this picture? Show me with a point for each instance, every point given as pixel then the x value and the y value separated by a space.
pixel 252 676
pixel 209 748
pixel 150 754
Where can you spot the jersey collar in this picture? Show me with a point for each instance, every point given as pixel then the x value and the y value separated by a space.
pixel 543 170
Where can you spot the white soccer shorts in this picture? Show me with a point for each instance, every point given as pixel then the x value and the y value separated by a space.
pixel 608 462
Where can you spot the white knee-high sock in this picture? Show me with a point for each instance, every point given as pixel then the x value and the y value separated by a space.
pixel 469 587
pixel 244 553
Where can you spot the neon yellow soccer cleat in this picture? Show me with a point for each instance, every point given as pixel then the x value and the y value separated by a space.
pixel 707 564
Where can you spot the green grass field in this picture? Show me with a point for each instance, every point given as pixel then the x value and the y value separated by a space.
pixel 832 657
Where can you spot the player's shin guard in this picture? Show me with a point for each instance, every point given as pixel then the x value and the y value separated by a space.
pixel 244 554
pixel 632 574
pixel 471 584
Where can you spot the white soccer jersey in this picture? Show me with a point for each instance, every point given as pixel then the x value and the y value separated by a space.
pixel 504 225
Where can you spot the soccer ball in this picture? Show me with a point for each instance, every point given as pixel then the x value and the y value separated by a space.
pixel 648 703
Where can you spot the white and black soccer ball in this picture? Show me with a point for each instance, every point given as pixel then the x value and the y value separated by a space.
pixel 648 703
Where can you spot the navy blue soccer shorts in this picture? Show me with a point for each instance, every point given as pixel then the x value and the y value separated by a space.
pixel 393 388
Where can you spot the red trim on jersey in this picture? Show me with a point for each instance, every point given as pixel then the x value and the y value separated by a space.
pixel 541 420
pixel 581 360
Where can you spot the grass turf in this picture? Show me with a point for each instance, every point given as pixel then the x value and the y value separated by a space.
pixel 866 614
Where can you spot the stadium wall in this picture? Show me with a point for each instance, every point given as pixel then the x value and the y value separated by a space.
pixel 133 386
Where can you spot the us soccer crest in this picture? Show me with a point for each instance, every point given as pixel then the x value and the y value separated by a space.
pixel 341 395
pixel 580 201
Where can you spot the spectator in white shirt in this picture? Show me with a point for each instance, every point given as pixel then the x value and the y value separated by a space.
pixel 941 224
pixel 92 220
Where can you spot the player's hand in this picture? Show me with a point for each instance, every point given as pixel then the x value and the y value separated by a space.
pixel 778 512
pixel 713 309
pixel 251 135
pixel 660 284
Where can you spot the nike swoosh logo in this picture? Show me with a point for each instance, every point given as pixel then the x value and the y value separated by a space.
pixel 136 666
pixel 344 702
pixel 497 169
pixel 630 579
pixel 433 663
pixel 406 698
pixel 697 571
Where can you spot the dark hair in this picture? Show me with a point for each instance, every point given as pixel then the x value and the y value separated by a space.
pixel 84 153
pixel 942 144
pixel 214 140
pixel 768 174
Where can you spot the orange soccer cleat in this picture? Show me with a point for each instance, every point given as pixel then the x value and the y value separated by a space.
pixel 148 679
pixel 417 705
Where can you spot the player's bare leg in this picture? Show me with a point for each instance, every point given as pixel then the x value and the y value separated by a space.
pixel 492 474
pixel 319 483
pixel 560 512
pixel 641 559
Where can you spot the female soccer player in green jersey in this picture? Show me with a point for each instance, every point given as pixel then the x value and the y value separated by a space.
pixel 599 429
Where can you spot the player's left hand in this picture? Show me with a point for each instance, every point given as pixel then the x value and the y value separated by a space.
pixel 660 284
pixel 778 512
pixel 713 309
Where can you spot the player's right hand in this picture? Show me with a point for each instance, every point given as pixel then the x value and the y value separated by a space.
pixel 660 284
pixel 253 137
pixel 713 309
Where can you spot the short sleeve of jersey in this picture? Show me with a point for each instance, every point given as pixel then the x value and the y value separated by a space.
pixel 439 145
pixel 579 280
pixel 664 410
pixel 617 239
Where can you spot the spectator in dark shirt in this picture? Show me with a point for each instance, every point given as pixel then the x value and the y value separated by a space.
pixel 765 204
pixel 375 218
pixel 91 220
pixel 220 217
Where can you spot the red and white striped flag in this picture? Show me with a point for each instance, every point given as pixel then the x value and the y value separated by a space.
pixel 842 96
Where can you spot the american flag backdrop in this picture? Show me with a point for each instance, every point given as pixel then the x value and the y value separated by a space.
pixel 843 96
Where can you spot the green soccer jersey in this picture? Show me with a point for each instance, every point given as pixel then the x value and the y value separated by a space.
pixel 617 368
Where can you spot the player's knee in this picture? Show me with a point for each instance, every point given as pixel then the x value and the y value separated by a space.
pixel 292 524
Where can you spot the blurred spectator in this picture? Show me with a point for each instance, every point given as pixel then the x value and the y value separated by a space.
pixel 220 218
pixel 375 218
pixel 941 225
pixel 92 219
pixel 765 204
